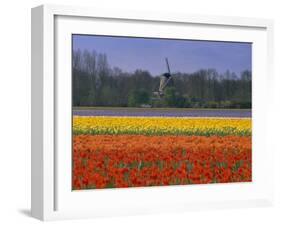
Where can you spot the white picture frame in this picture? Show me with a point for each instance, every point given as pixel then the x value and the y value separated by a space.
pixel 52 198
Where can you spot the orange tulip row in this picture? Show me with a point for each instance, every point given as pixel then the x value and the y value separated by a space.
pixel 115 161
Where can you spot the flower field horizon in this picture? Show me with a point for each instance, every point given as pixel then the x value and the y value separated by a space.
pixel 122 151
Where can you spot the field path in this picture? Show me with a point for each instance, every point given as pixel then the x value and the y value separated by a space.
pixel 163 112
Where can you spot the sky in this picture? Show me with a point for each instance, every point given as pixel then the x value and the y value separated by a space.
pixel 130 53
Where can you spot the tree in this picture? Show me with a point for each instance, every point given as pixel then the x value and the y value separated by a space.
pixel 170 96
pixel 137 98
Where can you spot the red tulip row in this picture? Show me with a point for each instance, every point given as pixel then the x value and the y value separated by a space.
pixel 109 161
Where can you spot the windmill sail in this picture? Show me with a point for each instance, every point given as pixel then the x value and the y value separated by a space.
pixel 168 67
pixel 164 79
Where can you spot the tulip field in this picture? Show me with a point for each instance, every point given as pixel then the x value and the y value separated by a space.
pixel 136 151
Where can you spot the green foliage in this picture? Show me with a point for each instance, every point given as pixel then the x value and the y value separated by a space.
pixel 170 96
pixel 138 97
pixel 173 98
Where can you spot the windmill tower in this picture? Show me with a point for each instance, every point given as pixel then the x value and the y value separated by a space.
pixel 164 80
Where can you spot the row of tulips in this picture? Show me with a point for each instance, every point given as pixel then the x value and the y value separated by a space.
pixel 109 161
pixel 161 126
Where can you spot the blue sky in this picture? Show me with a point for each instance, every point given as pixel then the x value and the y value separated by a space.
pixel 149 54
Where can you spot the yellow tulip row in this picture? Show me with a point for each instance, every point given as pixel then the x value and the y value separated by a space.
pixel 161 126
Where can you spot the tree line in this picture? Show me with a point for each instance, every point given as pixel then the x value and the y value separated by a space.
pixel 96 83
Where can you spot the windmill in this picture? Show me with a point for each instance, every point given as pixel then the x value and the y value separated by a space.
pixel 164 81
